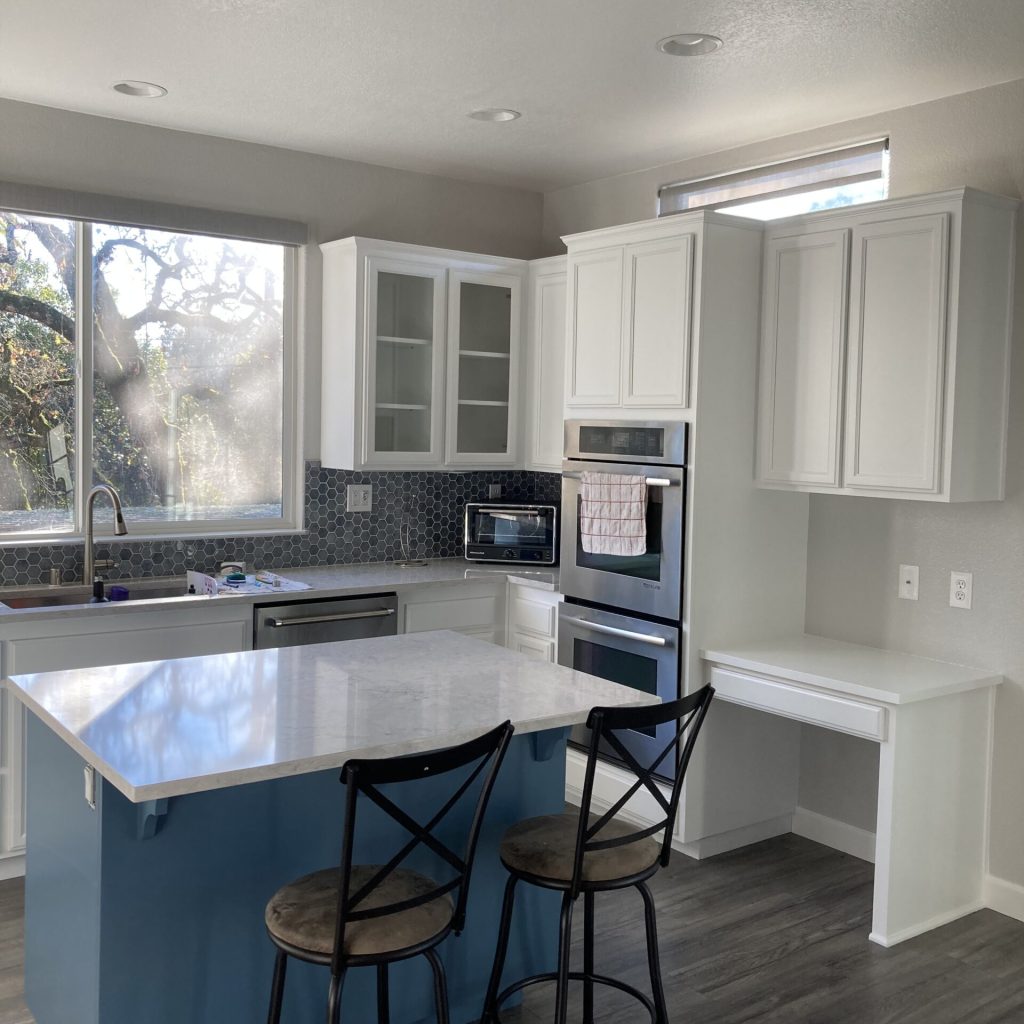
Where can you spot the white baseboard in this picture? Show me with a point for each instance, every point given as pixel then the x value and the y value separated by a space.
pixel 857 842
pixel 723 842
pixel 12 866
pixel 926 926
pixel 1004 897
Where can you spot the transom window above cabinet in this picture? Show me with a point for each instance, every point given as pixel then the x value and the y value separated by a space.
pixel 421 356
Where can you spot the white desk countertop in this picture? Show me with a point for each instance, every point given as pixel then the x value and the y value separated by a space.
pixel 166 728
pixel 853 670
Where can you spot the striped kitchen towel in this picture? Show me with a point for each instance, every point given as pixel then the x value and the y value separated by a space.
pixel 613 514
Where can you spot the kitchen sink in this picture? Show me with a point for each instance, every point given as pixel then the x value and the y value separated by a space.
pixel 75 594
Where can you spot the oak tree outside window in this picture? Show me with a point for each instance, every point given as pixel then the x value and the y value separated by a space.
pixel 160 362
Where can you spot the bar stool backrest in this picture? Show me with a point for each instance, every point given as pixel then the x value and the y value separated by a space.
pixel 688 713
pixel 362 777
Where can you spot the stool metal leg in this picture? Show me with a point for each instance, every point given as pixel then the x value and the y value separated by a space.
pixel 588 958
pixel 653 957
pixel 504 930
pixel 440 986
pixel 564 947
pixel 277 988
pixel 334 998
pixel 383 1009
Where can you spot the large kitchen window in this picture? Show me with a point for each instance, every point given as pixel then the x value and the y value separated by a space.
pixel 160 362
pixel 822 181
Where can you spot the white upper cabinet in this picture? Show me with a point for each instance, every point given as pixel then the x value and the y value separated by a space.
pixel 544 395
pixel 420 357
pixel 897 353
pixel 916 406
pixel 630 311
pixel 594 357
pixel 802 350
pixel 404 363
pixel 656 322
pixel 483 366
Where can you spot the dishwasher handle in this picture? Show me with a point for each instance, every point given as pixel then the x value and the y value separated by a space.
pixel 340 617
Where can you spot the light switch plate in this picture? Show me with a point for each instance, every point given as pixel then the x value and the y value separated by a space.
pixel 908 588
pixel 359 498
pixel 961 589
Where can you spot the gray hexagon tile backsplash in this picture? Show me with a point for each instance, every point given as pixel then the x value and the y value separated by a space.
pixel 431 504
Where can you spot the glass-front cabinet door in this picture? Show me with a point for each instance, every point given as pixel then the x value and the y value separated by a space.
pixel 483 367
pixel 405 363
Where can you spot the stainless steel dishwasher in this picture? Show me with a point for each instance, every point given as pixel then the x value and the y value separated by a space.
pixel 325 621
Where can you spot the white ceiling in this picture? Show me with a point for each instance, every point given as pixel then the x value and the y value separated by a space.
pixel 390 81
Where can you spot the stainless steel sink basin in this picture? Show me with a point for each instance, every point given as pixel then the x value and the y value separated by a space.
pixel 55 597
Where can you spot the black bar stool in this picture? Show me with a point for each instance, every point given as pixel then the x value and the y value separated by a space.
pixel 583 853
pixel 374 915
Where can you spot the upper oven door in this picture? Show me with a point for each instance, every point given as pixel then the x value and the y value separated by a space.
pixel 650 584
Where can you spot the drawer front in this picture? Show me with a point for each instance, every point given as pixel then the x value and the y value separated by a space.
pixel 461 613
pixel 804 705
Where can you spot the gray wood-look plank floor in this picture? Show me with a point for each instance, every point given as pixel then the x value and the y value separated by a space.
pixel 774 934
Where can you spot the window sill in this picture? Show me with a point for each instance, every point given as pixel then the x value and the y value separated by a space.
pixel 54 539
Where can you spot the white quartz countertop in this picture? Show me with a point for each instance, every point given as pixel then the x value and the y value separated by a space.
pixel 851 669
pixel 166 728
pixel 324 582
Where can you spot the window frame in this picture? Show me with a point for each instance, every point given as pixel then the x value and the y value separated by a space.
pixel 738 175
pixel 291 520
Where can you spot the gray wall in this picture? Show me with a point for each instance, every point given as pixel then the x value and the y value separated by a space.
pixel 856 544
pixel 43 146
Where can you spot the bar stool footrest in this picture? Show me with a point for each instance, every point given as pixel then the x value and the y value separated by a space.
pixel 597 979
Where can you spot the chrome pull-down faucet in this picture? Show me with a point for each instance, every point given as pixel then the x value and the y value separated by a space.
pixel 119 528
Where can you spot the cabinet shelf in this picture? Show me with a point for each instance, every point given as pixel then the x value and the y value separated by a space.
pixel 401 407
pixel 484 355
pixel 474 401
pixel 392 340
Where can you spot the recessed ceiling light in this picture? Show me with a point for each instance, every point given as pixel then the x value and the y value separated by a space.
pixel 494 114
pixel 147 90
pixel 689 44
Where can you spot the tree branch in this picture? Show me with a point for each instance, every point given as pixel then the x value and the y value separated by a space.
pixel 42 312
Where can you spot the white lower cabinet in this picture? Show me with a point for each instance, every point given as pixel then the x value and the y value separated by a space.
pixel 113 636
pixel 477 610
pixel 532 623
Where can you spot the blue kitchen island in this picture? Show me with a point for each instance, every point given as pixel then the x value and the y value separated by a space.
pixel 167 801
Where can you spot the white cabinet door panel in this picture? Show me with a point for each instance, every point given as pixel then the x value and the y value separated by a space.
pixel 656 322
pixel 897 354
pixel 545 400
pixel 594 363
pixel 802 349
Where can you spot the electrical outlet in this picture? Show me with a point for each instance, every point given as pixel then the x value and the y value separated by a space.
pixel 494 492
pixel 908 588
pixel 359 497
pixel 961 589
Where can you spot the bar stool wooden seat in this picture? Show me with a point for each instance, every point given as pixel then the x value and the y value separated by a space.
pixel 372 915
pixel 588 853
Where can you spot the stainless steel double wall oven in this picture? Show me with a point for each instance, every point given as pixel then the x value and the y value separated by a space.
pixel 622 614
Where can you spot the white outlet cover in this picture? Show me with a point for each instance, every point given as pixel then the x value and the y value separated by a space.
pixel 908 583
pixel 961 589
pixel 359 498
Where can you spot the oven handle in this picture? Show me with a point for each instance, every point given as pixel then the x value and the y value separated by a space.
pixel 651 481
pixel 342 617
pixel 626 634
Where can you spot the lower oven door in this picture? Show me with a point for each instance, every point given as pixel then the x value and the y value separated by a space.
pixel 633 652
